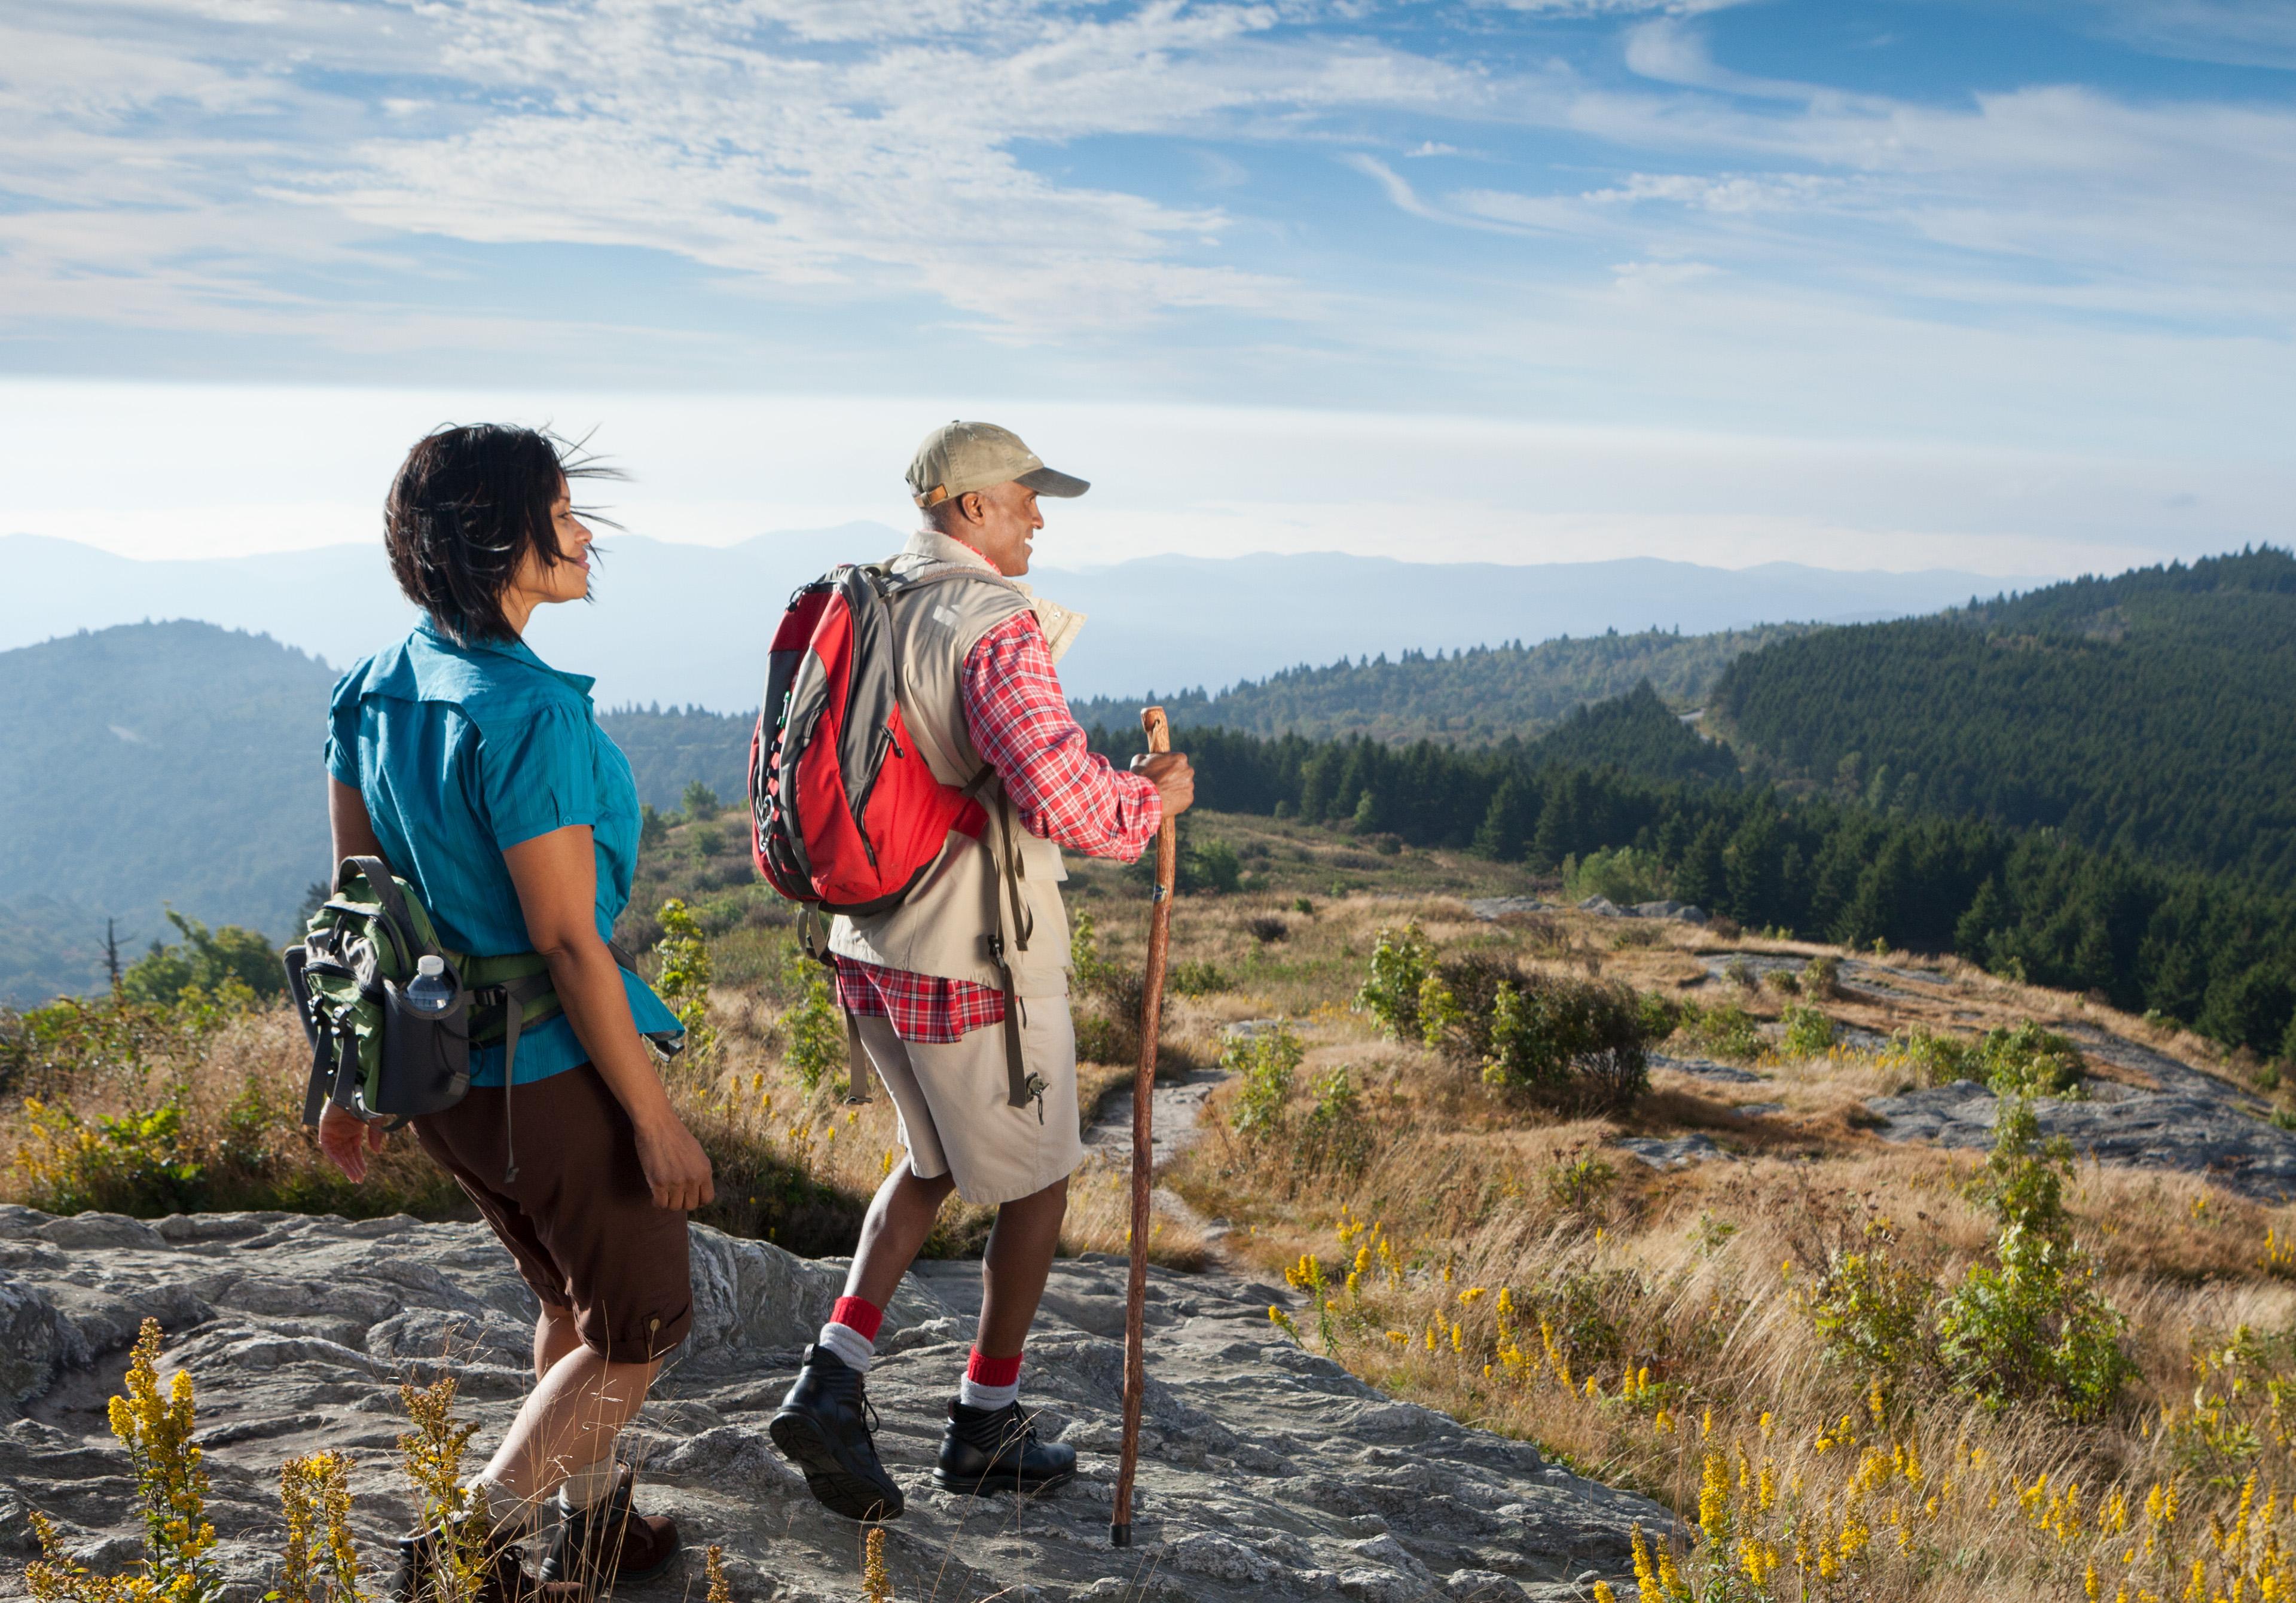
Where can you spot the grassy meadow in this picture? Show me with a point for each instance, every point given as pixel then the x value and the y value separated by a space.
pixel 1853 1369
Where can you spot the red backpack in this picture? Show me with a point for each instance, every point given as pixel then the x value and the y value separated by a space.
pixel 846 813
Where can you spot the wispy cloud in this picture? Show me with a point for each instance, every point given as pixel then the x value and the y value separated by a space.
pixel 1157 188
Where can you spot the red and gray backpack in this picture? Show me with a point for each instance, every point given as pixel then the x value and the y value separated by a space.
pixel 846 813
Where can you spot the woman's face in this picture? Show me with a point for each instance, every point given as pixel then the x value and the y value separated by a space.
pixel 540 582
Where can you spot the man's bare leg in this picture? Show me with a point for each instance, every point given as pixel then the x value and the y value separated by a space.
pixel 900 1217
pixel 1012 1271
pixel 569 1422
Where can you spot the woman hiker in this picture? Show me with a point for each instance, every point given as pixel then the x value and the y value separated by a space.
pixel 478 775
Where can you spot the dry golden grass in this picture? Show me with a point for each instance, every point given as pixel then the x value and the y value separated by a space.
pixel 1695 1284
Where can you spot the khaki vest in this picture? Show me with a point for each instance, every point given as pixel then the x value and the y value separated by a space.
pixel 945 926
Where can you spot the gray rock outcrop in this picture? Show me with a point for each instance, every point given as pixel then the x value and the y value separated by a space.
pixel 1267 1471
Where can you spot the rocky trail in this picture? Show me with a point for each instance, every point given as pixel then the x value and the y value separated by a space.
pixel 1267 1470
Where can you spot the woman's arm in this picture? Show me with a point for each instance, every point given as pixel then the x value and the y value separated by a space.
pixel 557 878
pixel 343 1136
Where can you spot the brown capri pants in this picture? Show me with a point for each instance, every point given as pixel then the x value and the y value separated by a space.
pixel 580 1218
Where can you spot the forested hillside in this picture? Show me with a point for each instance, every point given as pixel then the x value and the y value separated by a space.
pixel 1472 697
pixel 668 750
pixel 152 764
pixel 2153 713
pixel 2212 949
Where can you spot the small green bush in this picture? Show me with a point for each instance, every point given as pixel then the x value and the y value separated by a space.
pixel 1872 1310
pixel 1809 1033
pixel 2031 1327
pixel 1264 1064
pixel 1336 1136
pixel 1200 979
pixel 137 1163
pixel 203 963
pixel 1212 866
pixel 1401 962
pixel 1583 1185
pixel 1728 1031
pixel 2029 1061
pixel 813 1029
pixel 1576 1045
pixel 1624 875
pixel 1822 979
pixel 700 802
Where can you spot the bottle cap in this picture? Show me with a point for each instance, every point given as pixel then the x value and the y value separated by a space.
pixel 431 963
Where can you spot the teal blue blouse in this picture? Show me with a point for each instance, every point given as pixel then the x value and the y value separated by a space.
pixel 462 751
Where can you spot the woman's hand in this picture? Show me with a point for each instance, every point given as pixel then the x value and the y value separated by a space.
pixel 346 1139
pixel 676 1167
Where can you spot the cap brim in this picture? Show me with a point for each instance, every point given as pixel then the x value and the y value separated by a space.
pixel 1046 481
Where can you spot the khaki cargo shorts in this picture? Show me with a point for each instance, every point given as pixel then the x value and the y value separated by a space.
pixel 951 1099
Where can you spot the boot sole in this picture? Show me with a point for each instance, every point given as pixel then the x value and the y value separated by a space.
pixel 988 1486
pixel 834 1487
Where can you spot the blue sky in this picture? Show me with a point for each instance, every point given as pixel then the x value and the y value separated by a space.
pixel 2008 243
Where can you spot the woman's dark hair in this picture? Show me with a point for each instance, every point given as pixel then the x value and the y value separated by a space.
pixel 469 503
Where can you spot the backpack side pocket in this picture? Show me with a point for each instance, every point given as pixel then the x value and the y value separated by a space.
pixel 425 1060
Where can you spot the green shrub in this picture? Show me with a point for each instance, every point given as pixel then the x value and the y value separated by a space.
pixel 1576 1045
pixel 1809 1033
pixel 1401 962
pixel 1728 1031
pixel 1336 1136
pixel 1199 978
pixel 683 980
pixel 1582 1185
pixel 1087 969
pixel 1455 1003
pixel 813 1029
pixel 2031 1327
pixel 1212 866
pixel 700 801
pixel 1822 979
pixel 205 964
pixel 1872 1310
pixel 1661 1016
pixel 1624 875
pixel 2029 1061
pixel 137 1163
pixel 1263 1065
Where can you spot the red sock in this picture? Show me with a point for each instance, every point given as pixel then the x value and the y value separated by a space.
pixel 984 1370
pixel 989 1382
pixel 859 1314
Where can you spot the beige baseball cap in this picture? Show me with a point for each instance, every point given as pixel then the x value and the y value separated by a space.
pixel 958 458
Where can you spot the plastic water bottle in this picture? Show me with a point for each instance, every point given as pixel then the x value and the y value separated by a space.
pixel 431 991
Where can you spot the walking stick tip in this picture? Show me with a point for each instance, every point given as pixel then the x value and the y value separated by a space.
pixel 1120 1536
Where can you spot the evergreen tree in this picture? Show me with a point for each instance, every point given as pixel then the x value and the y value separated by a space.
pixel 1700 878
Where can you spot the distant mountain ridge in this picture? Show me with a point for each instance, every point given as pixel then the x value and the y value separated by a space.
pixel 688 625
pixel 1471 697
pixel 2154 712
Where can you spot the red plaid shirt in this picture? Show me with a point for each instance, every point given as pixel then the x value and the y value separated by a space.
pixel 1021 722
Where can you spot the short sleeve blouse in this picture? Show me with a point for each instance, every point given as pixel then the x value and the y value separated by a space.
pixel 462 751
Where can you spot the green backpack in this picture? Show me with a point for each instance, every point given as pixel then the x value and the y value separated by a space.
pixel 374 1051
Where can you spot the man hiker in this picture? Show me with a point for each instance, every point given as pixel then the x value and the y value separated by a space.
pixel 988 1103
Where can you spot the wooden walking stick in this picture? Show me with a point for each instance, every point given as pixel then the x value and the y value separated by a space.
pixel 1143 1088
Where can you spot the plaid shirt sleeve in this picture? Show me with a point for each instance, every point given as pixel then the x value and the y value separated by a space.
pixel 1021 722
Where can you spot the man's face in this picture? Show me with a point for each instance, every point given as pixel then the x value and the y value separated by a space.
pixel 998 522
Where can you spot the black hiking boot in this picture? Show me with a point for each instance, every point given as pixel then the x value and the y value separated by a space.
pixel 824 1428
pixel 425 1557
pixel 989 1450
pixel 609 1541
